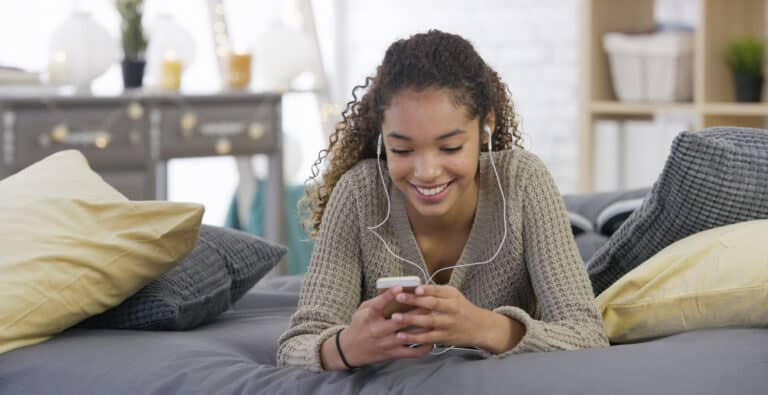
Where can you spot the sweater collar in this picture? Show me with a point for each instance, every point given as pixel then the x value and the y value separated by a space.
pixel 481 243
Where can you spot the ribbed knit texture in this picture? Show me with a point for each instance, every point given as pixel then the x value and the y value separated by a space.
pixel 538 277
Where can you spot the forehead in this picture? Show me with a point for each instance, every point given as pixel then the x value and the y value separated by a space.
pixel 424 112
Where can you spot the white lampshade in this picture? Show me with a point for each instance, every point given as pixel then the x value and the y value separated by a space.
pixel 87 48
pixel 168 38
pixel 281 54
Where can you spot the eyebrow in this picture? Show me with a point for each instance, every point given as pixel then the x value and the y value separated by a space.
pixel 399 136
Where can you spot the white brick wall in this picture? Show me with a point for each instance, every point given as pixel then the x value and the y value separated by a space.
pixel 533 44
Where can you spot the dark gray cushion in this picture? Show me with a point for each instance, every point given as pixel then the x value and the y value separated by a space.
pixel 224 264
pixel 588 243
pixel 599 208
pixel 712 178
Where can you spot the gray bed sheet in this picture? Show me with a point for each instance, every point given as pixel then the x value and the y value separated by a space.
pixel 236 355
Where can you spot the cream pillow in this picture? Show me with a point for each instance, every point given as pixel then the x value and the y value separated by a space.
pixel 712 279
pixel 71 246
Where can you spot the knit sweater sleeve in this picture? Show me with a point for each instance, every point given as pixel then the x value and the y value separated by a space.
pixel 332 285
pixel 569 317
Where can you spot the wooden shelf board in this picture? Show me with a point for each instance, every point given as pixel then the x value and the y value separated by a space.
pixel 624 108
pixel 746 109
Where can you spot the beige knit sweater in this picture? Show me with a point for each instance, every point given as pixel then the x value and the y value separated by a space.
pixel 537 279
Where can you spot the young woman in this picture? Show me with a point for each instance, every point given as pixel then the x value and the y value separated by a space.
pixel 408 187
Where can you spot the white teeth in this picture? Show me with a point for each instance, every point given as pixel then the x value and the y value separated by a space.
pixel 431 191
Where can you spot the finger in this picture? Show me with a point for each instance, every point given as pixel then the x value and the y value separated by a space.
pixel 427 302
pixel 391 343
pixel 411 352
pixel 420 311
pixel 432 337
pixel 440 291
pixel 426 320
pixel 379 302
pixel 415 329
pixel 388 327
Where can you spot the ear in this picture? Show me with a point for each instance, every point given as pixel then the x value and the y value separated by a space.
pixel 490 121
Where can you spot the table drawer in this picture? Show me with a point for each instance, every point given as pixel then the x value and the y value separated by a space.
pixel 221 128
pixel 107 134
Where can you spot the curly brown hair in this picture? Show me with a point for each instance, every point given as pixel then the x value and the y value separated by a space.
pixel 427 60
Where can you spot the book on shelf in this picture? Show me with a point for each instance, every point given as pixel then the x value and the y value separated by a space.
pixel 631 154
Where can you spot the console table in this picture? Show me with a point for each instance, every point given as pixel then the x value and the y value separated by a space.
pixel 129 138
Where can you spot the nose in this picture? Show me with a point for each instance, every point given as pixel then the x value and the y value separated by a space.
pixel 427 168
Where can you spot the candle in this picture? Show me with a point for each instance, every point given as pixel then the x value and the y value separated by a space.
pixel 239 70
pixel 170 73
pixel 58 69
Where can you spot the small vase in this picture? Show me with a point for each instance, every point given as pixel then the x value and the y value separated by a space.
pixel 749 87
pixel 133 72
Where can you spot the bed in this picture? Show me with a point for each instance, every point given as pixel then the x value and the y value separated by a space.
pixel 236 352
pixel 236 355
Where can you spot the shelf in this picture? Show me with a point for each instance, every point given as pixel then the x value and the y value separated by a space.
pixel 718 23
pixel 747 109
pixel 624 108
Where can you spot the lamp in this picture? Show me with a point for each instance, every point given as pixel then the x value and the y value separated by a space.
pixel 281 54
pixel 79 51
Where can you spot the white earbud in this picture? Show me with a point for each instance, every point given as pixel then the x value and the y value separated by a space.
pixel 488 131
pixel 378 147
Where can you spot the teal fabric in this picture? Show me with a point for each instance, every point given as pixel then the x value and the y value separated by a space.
pixel 298 242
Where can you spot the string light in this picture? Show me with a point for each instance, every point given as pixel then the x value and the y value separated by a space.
pixel 220 32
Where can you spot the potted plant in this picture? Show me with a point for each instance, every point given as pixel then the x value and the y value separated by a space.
pixel 133 40
pixel 744 57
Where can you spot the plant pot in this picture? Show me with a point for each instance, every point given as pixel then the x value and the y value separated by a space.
pixel 749 87
pixel 133 72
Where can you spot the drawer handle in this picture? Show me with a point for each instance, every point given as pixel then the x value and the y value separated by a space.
pixel 223 146
pixel 62 135
pixel 188 123
pixel 256 130
pixel 135 110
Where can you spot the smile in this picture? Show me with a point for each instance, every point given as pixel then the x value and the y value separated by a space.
pixel 431 191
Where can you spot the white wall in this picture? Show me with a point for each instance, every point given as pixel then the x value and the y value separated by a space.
pixel 533 44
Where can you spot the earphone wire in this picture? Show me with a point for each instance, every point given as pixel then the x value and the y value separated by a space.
pixel 430 279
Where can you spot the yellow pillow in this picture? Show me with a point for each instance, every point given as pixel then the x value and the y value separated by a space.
pixel 712 279
pixel 71 246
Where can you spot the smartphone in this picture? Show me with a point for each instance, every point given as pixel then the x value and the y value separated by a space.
pixel 409 284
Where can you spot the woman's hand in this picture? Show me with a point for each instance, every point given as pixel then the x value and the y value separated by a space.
pixel 371 338
pixel 456 321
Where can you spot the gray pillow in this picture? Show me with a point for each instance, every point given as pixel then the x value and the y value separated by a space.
pixel 601 209
pixel 221 268
pixel 588 243
pixel 712 178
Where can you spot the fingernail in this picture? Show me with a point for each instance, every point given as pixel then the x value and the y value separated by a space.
pixel 397 317
pixel 401 298
pixel 419 291
pixel 401 335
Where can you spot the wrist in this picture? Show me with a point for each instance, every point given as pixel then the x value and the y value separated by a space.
pixel 329 351
pixel 344 356
pixel 502 335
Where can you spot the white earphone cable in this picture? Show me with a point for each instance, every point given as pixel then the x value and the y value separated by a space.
pixel 430 279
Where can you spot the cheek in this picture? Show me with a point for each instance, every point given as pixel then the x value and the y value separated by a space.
pixel 462 165
pixel 397 167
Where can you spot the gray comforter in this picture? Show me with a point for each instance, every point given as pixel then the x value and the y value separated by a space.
pixel 236 355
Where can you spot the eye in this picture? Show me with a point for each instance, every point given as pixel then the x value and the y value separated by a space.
pixel 399 151
pixel 453 149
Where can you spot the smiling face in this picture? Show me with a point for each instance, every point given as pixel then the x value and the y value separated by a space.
pixel 432 152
